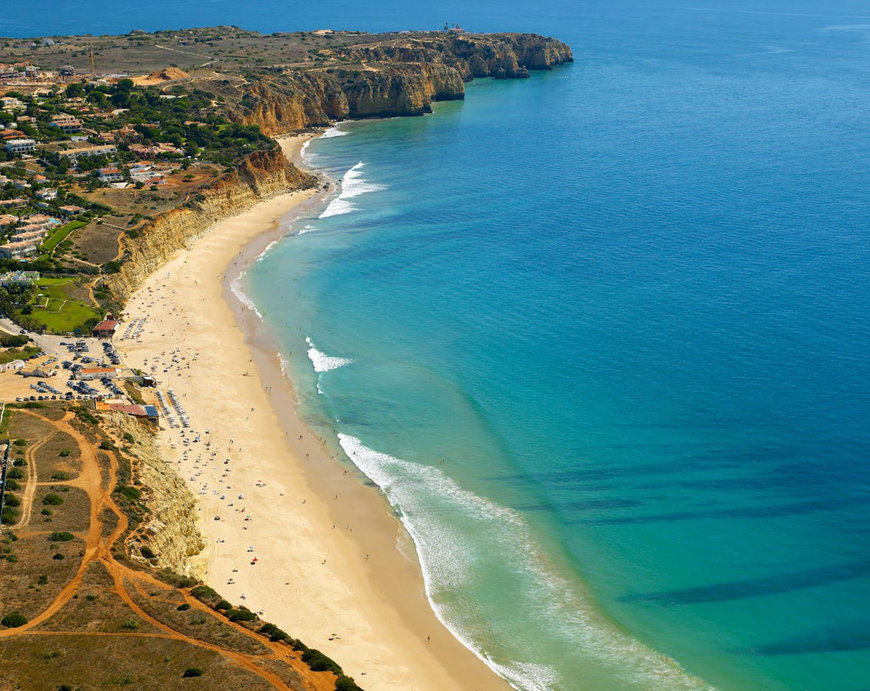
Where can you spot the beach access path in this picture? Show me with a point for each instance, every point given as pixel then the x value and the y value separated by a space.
pixel 291 533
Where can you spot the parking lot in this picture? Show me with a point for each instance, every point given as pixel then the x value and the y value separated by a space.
pixel 64 360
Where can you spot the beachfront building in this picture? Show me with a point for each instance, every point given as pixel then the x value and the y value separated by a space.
pixel 106 328
pixel 20 146
pixel 143 412
pixel 89 373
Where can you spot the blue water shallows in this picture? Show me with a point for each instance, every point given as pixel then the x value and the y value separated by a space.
pixel 601 338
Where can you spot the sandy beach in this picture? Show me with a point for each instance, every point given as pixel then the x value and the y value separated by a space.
pixel 292 533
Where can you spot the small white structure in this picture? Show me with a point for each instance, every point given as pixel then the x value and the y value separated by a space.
pixel 13 366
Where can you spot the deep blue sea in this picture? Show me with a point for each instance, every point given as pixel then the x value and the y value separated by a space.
pixel 602 335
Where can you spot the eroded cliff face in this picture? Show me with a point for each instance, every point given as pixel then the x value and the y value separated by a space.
pixel 261 175
pixel 503 56
pixel 403 76
pixel 296 102
pixel 172 533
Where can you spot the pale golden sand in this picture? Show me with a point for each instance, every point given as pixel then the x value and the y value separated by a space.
pixel 329 569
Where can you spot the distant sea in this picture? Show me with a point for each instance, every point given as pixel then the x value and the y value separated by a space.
pixel 602 335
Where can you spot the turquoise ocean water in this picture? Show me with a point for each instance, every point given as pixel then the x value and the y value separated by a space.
pixel 602 336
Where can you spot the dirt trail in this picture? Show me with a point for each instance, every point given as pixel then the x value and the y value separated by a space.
pixel 30 486
pixel 99 549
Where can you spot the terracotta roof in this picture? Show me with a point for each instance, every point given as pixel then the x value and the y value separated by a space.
pixel 106 325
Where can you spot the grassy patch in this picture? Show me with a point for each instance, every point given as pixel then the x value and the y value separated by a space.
pixel 57 310
pixel 58 235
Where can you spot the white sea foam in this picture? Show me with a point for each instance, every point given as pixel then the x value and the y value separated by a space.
pixel 263 254
pixel 323 362
pixel 307 228
pixel 334 131
pixel 236 287
pixel 451 528
pixel 285 365
pixel 337 207
pixel 353 185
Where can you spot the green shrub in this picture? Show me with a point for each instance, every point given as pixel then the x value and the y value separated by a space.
pixel 128 438
pixel 42 580
pixel 12 558
pixel 60 475
pixel 14 620
pixel 47 512
pixel 20 442
pixel 52 499
pixel 273 632
pixel 223 604
pixel 58 556
pixel 10 341
pixel 192 672
pixel 12 485
pixel 15 474
pixel 86 415
pixel 130 493
pixel 61 536
pixel 12 500
pixel 345 683
pixel 318 662
pixel 241 615
pixel 203 592
pixel 130 625
pixel 64 453
pixel 175 579
pixel 183 607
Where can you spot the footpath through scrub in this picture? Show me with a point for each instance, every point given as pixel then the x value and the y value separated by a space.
pixel 150 610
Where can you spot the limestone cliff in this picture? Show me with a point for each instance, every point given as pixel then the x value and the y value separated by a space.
pixel 295 102
pixel 504 56
pixel 260 175
pixel 172 533
pixel 400 76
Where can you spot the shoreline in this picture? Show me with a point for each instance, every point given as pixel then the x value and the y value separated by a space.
pixel 331 568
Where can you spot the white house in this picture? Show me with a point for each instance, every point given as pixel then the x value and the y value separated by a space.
pixel 20 146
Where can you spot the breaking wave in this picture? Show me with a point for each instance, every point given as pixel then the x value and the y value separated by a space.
pixel 463 539
pixel 353 185
pixel 323 362
pixel 236 288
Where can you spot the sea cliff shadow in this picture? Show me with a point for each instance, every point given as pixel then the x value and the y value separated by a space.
pixel 756 587
pixel 848 637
